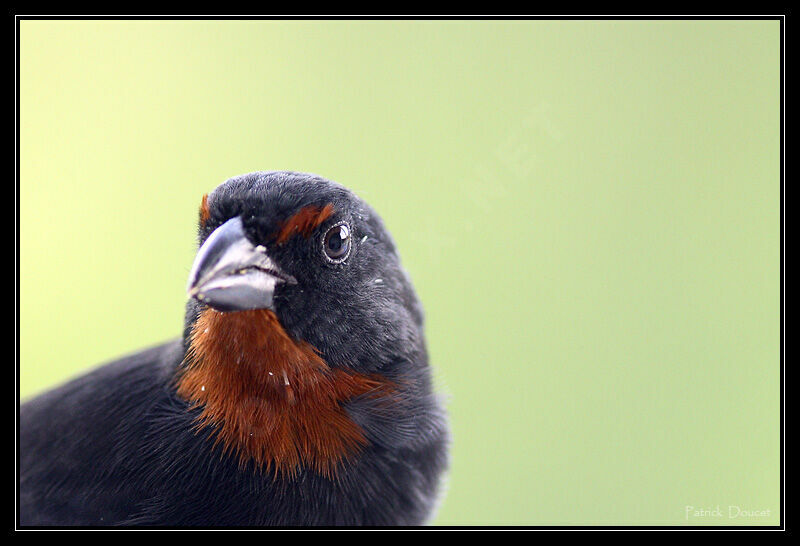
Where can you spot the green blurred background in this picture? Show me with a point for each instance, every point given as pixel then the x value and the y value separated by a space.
pixel 589 211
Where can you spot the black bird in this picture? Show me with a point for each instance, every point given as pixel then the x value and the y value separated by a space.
pixel 299 395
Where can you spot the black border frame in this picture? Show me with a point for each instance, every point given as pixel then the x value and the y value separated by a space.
pixel 781 18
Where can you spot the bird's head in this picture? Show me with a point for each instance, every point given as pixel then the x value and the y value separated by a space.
pixel 314 254
pixel 298 303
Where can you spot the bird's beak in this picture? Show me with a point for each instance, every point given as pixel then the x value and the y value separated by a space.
pixel 231 274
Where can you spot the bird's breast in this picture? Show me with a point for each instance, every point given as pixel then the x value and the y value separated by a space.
pixel 271 398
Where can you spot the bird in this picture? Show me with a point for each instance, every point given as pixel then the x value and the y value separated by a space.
pixel 299 393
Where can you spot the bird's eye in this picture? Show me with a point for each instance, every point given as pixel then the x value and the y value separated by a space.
pixel 337 243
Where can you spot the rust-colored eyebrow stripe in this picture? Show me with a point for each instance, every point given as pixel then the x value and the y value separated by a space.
pixel 205 213
pixel 304 221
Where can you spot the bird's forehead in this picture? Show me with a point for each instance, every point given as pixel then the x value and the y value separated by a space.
pixel 276 196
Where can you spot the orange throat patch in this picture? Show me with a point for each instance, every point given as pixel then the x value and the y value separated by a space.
pixel 269 397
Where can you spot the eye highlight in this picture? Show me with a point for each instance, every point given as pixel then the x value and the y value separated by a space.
pixel 336 243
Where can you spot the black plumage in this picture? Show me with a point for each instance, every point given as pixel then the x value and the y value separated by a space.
pixel 120 446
